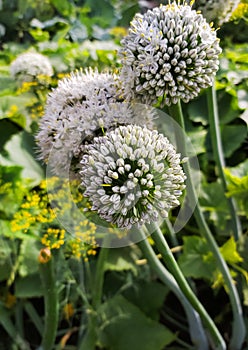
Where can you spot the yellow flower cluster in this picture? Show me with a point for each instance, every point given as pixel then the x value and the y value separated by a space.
pixel 34 210
pixel 37 216
pixel 27 86
pixel 240 12
pixel 35 108
pixel 54 238
pixel 84 242
pixel 118 32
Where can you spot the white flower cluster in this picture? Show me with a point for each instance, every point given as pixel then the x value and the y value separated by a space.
pixel 29 66
pixel 84 105
pixel 132 175
pixel 218 11
pixel 170 53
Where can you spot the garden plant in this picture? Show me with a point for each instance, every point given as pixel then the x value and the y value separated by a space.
pixel 124 175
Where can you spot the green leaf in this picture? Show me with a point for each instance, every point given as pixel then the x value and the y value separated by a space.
pixel 232 137
pixel 124 326
pixel 227 110
pixel 5 259
pixel 63 7
pixel 7 129
pixel 230 253
pixel 29 261
pixel 198 110
pixel 240 170
pixel 7 84
pixel 148 296
pixel 119 259
pixel 237 185
pixel 12 190
pixel 196 260
pixel 198 138
pixel 20 151
pixel 78 32
pixel 28 287
pixel 213 201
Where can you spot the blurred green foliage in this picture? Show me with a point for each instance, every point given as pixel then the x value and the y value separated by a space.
pixel 77 34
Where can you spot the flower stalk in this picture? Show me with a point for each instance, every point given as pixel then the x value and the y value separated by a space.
pixel 238 328
pixel 99 278
pixel 48 280
pixel 219 157
pixel 197 332
pixel 173 267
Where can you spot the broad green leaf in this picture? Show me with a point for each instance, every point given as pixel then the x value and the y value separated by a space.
pixel 124 326
pixel 198 138
pixel 237 185
pixel 28 287
pixel 13 108
pixel 119 259
pixel 213 201
pixel 63 7
pixel 148 296
pixel 229 252
pixel 227 110
pixel 196 260
pixel 29 260
pixel 240 170
pixel 7 129
pixel 198 110
pixel 20 151
pixel 232 137
pixel 78 32
pixel 7 85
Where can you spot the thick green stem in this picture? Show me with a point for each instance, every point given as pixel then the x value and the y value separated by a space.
pixel 196 331
pixel 219 157
pixel 173 267
pixel 238 331
pixel 89 340
pixel 99 278
pixel 48 280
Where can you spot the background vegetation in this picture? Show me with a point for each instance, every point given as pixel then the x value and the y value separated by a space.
pixel 138 311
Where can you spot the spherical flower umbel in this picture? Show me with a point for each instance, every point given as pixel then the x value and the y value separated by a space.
pixel 218 11
pixel 84 105
pixel 28 66
pixel 132 175
pixel 170 54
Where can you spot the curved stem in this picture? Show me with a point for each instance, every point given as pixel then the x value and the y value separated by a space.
pixel 196 331
pixel 173 267
pixel 171 232
pixel 219 157
pixel 238 331
pixel 48 280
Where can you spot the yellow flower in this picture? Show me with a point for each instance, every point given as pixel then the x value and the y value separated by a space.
pixel 53 238
pixel 12 111
pixel 68 311
pixel 10 300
